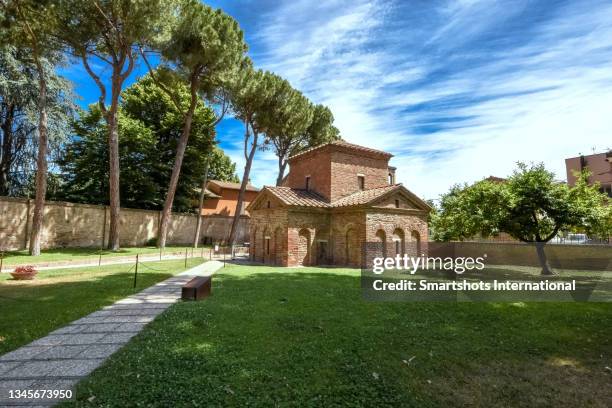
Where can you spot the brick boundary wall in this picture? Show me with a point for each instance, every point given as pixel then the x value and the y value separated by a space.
pixel 84 225
pixel 581 257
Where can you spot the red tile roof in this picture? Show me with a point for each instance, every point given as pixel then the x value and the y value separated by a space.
pixel 365 196
pixel 295 197
pixel 344 144
pixel 232 186
pixel 305 198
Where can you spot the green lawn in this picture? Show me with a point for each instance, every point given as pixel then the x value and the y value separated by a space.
pixel 31 309
pixel 74 254
pixel 305 337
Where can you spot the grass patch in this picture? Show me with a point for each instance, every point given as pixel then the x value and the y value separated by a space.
pixel 76 254
pixel 31 309
pixel 305 337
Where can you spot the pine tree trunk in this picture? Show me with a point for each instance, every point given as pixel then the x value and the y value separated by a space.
pixel 196 238
pixel 113 162
pixel 282 164
pixel 7 153
pixel 176 170
pixel 546 269
pixel 41 166
pixel 243 185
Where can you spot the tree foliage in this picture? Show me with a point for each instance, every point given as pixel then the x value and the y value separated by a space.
pixel 293 123
pixel 149 128
pixel 530 206
pixel 204 49
pixel 19 118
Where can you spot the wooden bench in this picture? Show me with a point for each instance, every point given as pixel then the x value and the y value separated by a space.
pixel 197 288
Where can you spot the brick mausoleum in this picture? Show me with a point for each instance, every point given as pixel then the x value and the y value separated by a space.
pixel 336 198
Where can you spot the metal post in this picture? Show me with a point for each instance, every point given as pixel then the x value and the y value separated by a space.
pixel 100 260
pixel 136 271
pixel 186 257
pixel 160 253
pixel 224 257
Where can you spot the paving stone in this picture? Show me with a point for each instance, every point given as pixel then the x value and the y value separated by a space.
pixel 8 365
pixel 118 338
pixel 71 328
pixel 100 328
pixel 50 340
pixel 130 319
pixel 61 351
pixel 124 312
pixel 24 353
pixel 100 350
pixel 29 369
pixel 83 338
pixel 89 320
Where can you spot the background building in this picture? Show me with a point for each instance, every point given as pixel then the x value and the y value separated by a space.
pixel 222 197
pixel 600 166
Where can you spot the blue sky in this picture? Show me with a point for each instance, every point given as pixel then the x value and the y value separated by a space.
pixel 456 90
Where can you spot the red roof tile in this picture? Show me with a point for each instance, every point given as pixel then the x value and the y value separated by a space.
pixel 296 197
pixel 342 143
pixel 364 197
pixel 305 198
pixel 232 186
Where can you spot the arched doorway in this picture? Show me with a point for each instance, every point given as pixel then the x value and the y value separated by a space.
pixel 351 248
pixel 278 246
pixel 303 247
pixel 253 244
pixel 399 242
pixel 380 244
pixel 266 245
pixel 416 241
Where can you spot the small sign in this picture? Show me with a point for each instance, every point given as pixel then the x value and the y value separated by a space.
pixel 216 248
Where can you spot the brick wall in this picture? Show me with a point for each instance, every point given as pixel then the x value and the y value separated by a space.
pixel 409 230
pixel 345 168
pixel 333 173
pixel 305 229
pixel 272 223
pixel 82 225
pixel 583 257
pixel 317 166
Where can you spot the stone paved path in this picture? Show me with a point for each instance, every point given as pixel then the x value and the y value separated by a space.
pixel 62 358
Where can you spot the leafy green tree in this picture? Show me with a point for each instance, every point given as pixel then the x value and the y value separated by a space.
pixel 30 25
pixel 294 124
pixel 530 207
pixel 288 116
pixel 111 32
pixel 149 127
pixel 204 48
pixel 19 118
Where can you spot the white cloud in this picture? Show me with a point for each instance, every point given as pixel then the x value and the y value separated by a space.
pixel 543 94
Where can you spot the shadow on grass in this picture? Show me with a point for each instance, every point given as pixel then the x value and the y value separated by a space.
pixel 271 336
